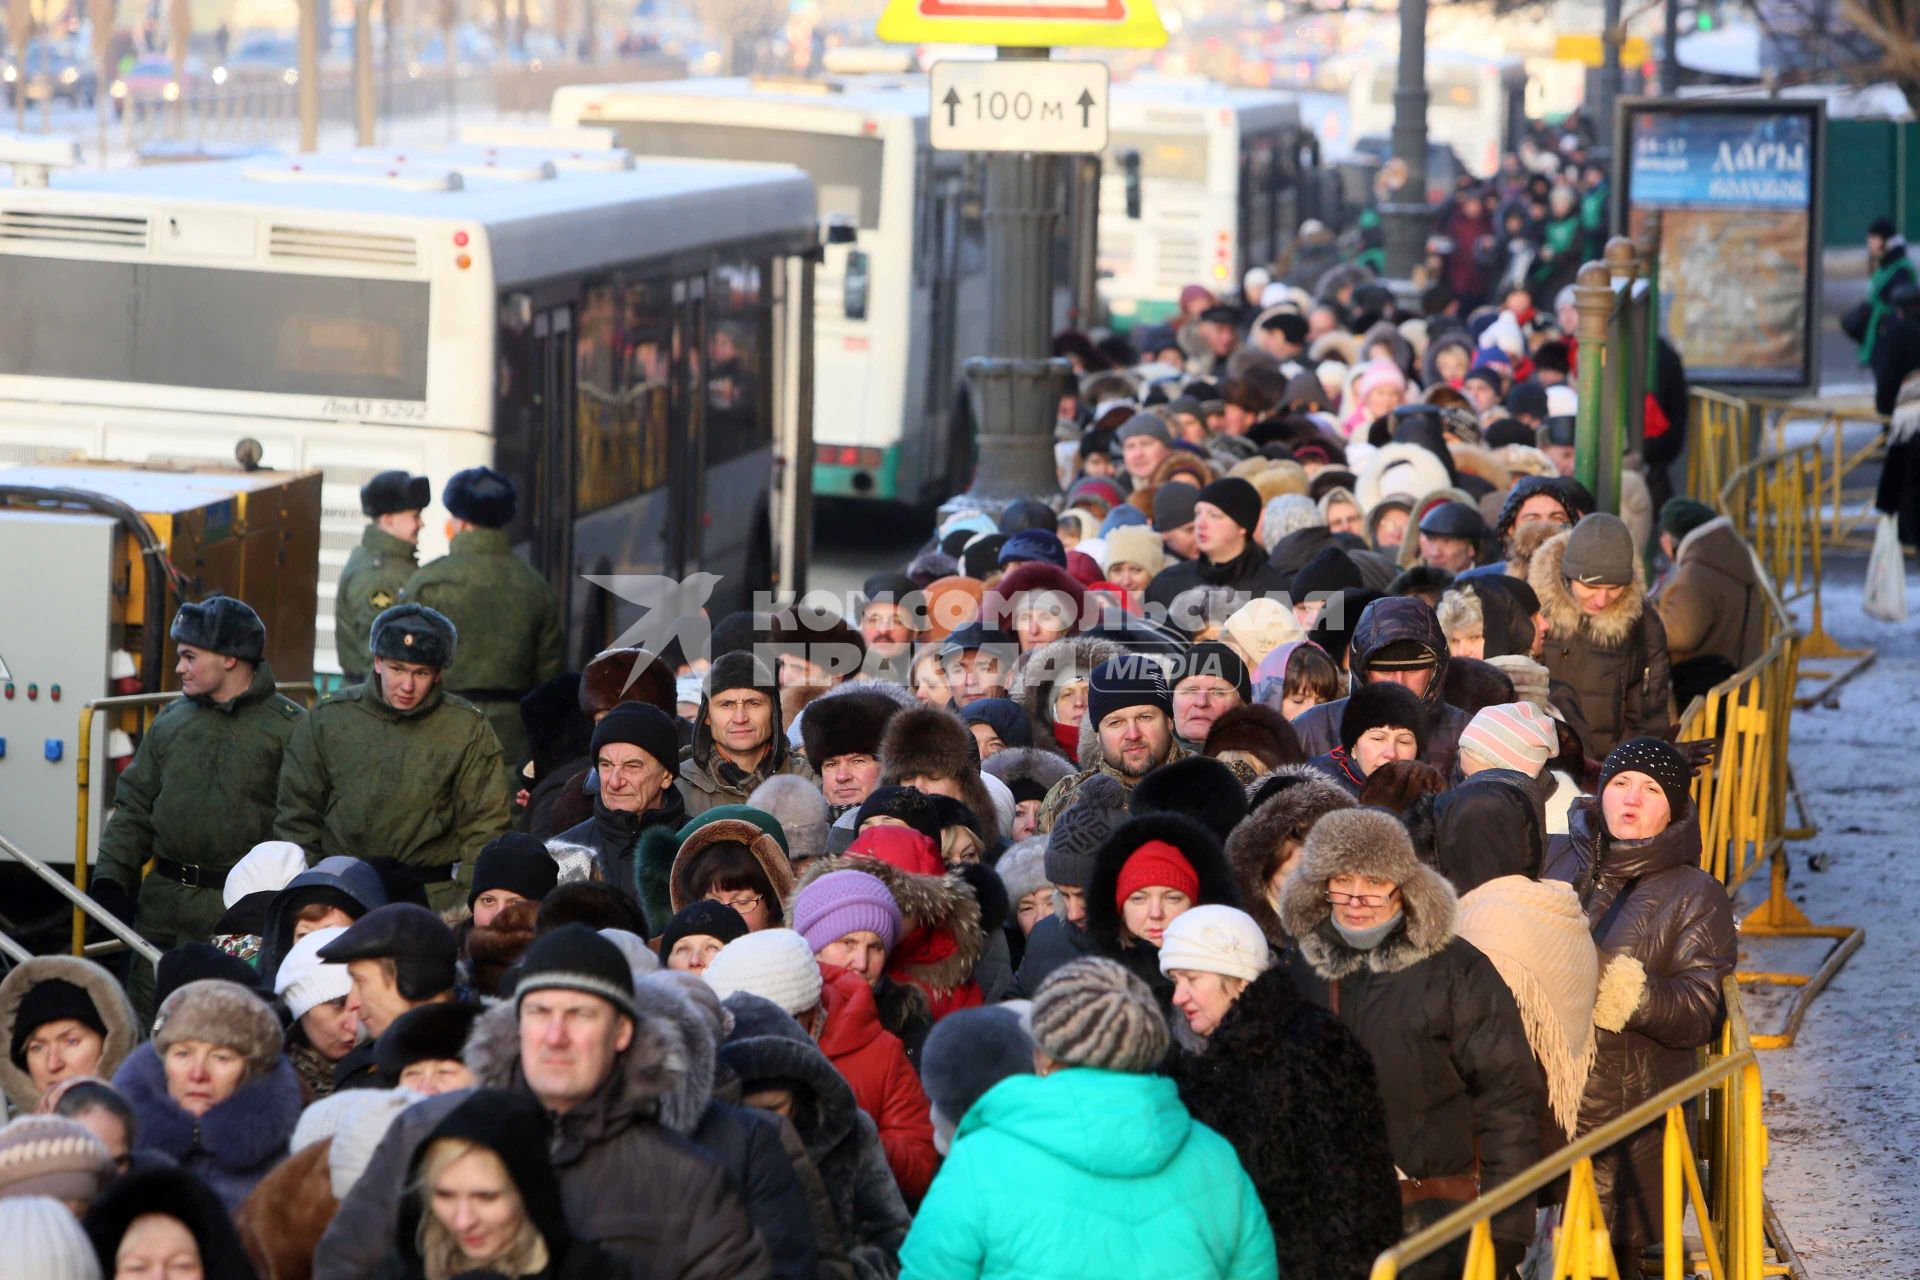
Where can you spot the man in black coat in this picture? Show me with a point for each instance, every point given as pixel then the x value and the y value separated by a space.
pixel 1225 517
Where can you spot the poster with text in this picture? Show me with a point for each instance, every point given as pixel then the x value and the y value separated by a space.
pixel 1735 183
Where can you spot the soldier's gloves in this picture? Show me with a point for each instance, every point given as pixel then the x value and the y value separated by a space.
pixel 113 899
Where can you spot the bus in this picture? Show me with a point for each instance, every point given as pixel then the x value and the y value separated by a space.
pixel 900 296
pixel 627 341
pixel 1199 183
pixel 1474 104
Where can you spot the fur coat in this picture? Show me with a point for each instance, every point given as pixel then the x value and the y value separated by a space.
pixel 234 1144
pixel 1257 847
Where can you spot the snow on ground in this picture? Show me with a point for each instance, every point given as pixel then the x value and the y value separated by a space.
pixel 1843 1104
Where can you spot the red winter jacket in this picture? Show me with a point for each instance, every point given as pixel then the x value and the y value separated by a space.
pixel 874 1063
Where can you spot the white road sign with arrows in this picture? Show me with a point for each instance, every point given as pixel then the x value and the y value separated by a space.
pixel 1020 105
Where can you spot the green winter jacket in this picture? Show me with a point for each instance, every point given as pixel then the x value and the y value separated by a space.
pixel 1093 1174
pixel 375 572
pixel 201 789
pixel 503 609
pixel 360 778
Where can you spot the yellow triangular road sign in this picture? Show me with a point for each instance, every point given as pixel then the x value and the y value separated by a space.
pixel 1124 24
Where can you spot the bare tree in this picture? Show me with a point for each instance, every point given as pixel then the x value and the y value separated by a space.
pixel 741 27
pixel 1890 30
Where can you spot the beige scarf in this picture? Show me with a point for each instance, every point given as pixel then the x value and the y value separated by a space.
pixel 1537 937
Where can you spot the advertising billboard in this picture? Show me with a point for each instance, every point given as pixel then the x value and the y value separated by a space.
pixel 1736 182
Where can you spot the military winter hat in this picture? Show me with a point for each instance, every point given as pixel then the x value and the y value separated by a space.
pixel 1237 498
pixel 222 625
pixel 392 492
pixel 576 958
pixel 414 633
pixel 1173 505
pixel 51 1000
pixel 1091 1012
pixel 222 1013
pixel 430 1033
pixel 1099 808
pixel 1659 760
pixel 1127 680
pixel 482 496
pixel 52 1156
pixel 1599 552
pixel 516 862
pixel 642 725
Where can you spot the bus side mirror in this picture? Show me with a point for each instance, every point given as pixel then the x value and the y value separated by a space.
pixel 840 230
pixel 1130 167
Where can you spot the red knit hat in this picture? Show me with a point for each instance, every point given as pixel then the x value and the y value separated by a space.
pixel 901 848
pixel 1156 863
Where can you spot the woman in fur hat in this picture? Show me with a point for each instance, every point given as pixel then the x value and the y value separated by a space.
pixel 1290 1088
pixel 1375 930
pixel 151 1221
pixel 1666 935
pixel 484 1198
pixel 212 1089
pixel 1149 871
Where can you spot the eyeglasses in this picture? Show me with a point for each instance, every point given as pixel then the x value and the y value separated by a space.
pixel 743 902
pixel 1368 900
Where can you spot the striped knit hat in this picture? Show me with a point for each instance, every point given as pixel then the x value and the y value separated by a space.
pixel 52 1156
pixel 1512 735
pixel 1094 1013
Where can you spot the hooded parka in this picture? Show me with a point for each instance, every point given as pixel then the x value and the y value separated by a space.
pixel 708 779
pixel 1383 623
pixel 1663 955
pixel 1712 604
pixel 1610 669
pixel 1105 926
pixel 109 1003
pixel 1455 1068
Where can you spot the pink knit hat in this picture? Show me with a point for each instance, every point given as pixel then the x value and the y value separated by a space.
pixel 1512 735
pixel 1379 373
pixel 843 902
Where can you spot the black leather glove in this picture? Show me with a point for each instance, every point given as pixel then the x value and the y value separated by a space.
pixel 114 900
pixel 1699 752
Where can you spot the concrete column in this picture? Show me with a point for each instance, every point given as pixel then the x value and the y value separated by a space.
pixel 1404 222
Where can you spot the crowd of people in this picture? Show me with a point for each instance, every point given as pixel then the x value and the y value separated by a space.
pixel 1222 866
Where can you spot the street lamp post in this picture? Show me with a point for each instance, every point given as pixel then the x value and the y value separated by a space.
pixel 1404 221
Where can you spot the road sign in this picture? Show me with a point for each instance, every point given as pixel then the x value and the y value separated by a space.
pixel 1019 106
pixel 1026 24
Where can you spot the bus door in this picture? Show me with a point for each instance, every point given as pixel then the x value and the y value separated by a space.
pixel 551 369
pixel 688 515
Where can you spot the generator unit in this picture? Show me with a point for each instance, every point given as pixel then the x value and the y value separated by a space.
pixel 95 558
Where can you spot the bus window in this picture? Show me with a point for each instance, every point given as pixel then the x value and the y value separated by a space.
pixel 1164 157
pixel 845 170
pixel 857 281
pixel 622 429
pixel 739 377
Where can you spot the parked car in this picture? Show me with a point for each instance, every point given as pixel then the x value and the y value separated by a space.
pixel 51 71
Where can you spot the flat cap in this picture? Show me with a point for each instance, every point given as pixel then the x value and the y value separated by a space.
pixel 1453 520
pixel 399 930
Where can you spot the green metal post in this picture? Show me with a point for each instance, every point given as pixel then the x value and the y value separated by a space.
pixel 1648 245
pixel 1593 297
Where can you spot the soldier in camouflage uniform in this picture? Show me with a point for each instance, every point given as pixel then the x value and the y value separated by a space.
pixel 502 607
pixel 398 767
pixel 386 557
pixel 201 790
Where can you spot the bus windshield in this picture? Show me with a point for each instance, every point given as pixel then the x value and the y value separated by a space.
pixel 1168 157
pixel 216 329
pixel 845 170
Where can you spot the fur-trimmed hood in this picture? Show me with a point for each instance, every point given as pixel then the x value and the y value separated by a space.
pixel 1608 629
pixel 644 1075
pixel 945 904
pixel 765 850
pixel 1254 848
pixel 1028 764
pixel 933 742
pixel 689 1036
pixel 1366 842
pixel 1419 471
pixel 109 1001
pixel 1040 671
pixel 1195 843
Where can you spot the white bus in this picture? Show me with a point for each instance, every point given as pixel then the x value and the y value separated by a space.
pixel 900 299
pixel 1199 183
pixel 626 341
pixel 1473 103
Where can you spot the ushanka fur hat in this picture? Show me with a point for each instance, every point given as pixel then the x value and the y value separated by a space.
pixel 626 675
pixel 1029 772
pixel 222 625
pixel 845 724
pixel 931 742
pixel 1365 842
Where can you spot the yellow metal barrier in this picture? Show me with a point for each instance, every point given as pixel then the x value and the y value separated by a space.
pixel 1729 1206
pixel 1720 438
pixel 147 706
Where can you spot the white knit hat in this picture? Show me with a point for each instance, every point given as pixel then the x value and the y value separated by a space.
pixel 305 980
pixel 775 964
pixel 44 1240
pixel 266 869
pixel 1215 939
pixel 359 1130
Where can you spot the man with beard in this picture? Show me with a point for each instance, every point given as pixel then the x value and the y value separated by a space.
pixel 1131 707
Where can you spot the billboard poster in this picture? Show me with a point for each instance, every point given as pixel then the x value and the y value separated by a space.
pixel 1735 182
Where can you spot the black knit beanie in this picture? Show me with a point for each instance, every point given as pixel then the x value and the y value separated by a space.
pixel 1238 498
pixel 645 726
pixel 518 863
pixel 703 918
pixel 1211 658
pixel 908 804
pixel 1659 760
pixel 1373 705
pixel 575 957
pixel 1127 680
pixel 55 1000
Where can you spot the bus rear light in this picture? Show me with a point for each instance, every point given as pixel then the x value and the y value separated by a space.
pixel 463 262
pixel 460 239
pixel 846 455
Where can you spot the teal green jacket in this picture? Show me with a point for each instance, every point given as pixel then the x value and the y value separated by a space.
pixel 1088 1175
